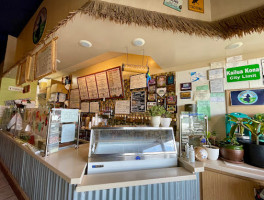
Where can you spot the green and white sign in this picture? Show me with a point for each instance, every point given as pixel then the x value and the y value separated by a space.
pixel 243 73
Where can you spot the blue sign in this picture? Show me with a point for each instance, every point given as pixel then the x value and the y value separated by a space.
pixel 247 97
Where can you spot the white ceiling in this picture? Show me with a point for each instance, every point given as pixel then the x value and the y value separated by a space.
pixel 170 50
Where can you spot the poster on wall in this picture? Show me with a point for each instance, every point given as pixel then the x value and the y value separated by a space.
pixel 198 76
pixel 85 107
pixel 75 99
pixel 45 60
pixel 196 5
pixel 161 81
pixel 115 82
pixel 150 105
pixel 243 73
pixel 174 4
pixel 122 107
pixel 215 73
pixel 102 85
pixel 247 97
pixel 217 85
pixel 39 25
pixel 91 86
pixel 138 81
pixel 82 88
pixel 94 107
pixel 138 101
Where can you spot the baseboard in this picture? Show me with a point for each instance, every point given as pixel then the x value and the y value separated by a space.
pixel 21 195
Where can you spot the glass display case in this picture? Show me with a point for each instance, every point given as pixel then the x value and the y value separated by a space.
pixel 193 127
pixel 131 148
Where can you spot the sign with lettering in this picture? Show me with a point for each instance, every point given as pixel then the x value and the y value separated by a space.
pixel 243 73
pixel 247 97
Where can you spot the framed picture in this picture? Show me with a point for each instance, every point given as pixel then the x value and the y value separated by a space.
pixel 174 4
pixel 152 81
pixel 152 97
pixel 151 104
pixel 161 102
pixel 171 100
pixel 171 88
pixel 161 91
pixel 185 95
pixel 186 86
pixel 196 5
pixel 172 108
pixel 170 80
pixel 161 81
pixel 151 89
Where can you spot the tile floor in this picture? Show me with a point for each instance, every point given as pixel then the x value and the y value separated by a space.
pixel 6 192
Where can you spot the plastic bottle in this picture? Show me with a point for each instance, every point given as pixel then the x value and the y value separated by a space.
pixel 187 148
pixel 192 155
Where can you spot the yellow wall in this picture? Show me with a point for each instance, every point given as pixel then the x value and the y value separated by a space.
pixel 57 10
pixel 154 68
pixel 5 94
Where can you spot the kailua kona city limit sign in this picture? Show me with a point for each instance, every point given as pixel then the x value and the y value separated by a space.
pixel 243 73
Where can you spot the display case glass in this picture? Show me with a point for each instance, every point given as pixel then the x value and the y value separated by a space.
pixel 154 147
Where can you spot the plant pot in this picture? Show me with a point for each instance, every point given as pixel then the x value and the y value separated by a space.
pixel 254 154
pixel 232 153
pixel 165 122
pixel 213 152
pixel 155 121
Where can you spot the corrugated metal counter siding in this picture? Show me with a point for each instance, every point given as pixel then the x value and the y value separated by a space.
pixel 41 183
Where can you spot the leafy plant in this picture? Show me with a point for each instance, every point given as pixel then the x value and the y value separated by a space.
pixel 167 114
pixel 157 111
pixel 207 136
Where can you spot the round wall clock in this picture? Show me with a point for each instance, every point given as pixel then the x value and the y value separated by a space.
pixel 39 25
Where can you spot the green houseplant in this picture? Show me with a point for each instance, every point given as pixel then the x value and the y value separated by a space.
pixel 156 112
pixel 166 119
pixel 230 149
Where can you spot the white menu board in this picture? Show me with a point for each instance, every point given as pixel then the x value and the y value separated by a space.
pixel 45 60
pixel 85 107
pixel 91 86
pixel 75 99
pixel 138 81
pixel 122 107
pixel 83 88
pixel 114 77
pixel 94 107
pixel 102 85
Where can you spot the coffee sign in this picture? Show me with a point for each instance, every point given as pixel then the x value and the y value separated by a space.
pixel 243 73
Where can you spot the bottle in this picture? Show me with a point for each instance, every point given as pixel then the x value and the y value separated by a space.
pixel 192 155
pixel 187 150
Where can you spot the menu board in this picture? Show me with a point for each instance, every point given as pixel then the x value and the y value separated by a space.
pixel 83 88
pixel 138 101
pixel 91 86
pixel 138 81
pixel 122 107
pixel 102 85
pixel 85 107
pixel 115 82
pixel 75 99
pixel 94 107
pixel 45 60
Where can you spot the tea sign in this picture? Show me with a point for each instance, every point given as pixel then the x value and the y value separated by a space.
pixel 243 73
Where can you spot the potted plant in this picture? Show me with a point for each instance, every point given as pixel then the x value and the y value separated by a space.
pixel 230 149
pixel 156 112
pixel 213 151
pixel 166 119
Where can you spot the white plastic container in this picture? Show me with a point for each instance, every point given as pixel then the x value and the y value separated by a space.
pixel 192 155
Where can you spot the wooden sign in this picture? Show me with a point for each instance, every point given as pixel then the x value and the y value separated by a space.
pixel 138 81
pixel 23 70
pixel 196 5
pixel 91 86
pixel 102 85
pixel 82 88
pixel 138 101
pixel 115 82
pixel 45 60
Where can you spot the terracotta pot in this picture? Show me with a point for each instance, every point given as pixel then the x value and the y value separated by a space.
pixel 231 154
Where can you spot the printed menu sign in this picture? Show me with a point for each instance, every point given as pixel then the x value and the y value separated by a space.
pixel 75 99
pixel 138 101
pixel 122 107
pixel 102 85
pixel 82 88
pixel 115 82
pixel 138 81
pixel 91 86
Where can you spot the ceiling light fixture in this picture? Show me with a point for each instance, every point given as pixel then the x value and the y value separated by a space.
pixel 138 42
pixel 85 43
pixel 234 45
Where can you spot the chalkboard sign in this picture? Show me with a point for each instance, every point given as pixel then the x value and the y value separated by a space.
pixel 45 60
pixel 138 101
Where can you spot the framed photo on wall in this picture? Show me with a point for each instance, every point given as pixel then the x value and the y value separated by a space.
pixel 186 86
pixel 170 80
pixel 151 89
pixel 161 81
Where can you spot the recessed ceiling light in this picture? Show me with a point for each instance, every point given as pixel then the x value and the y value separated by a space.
pixel 85 43
pixel 234 45
pixel 138 42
